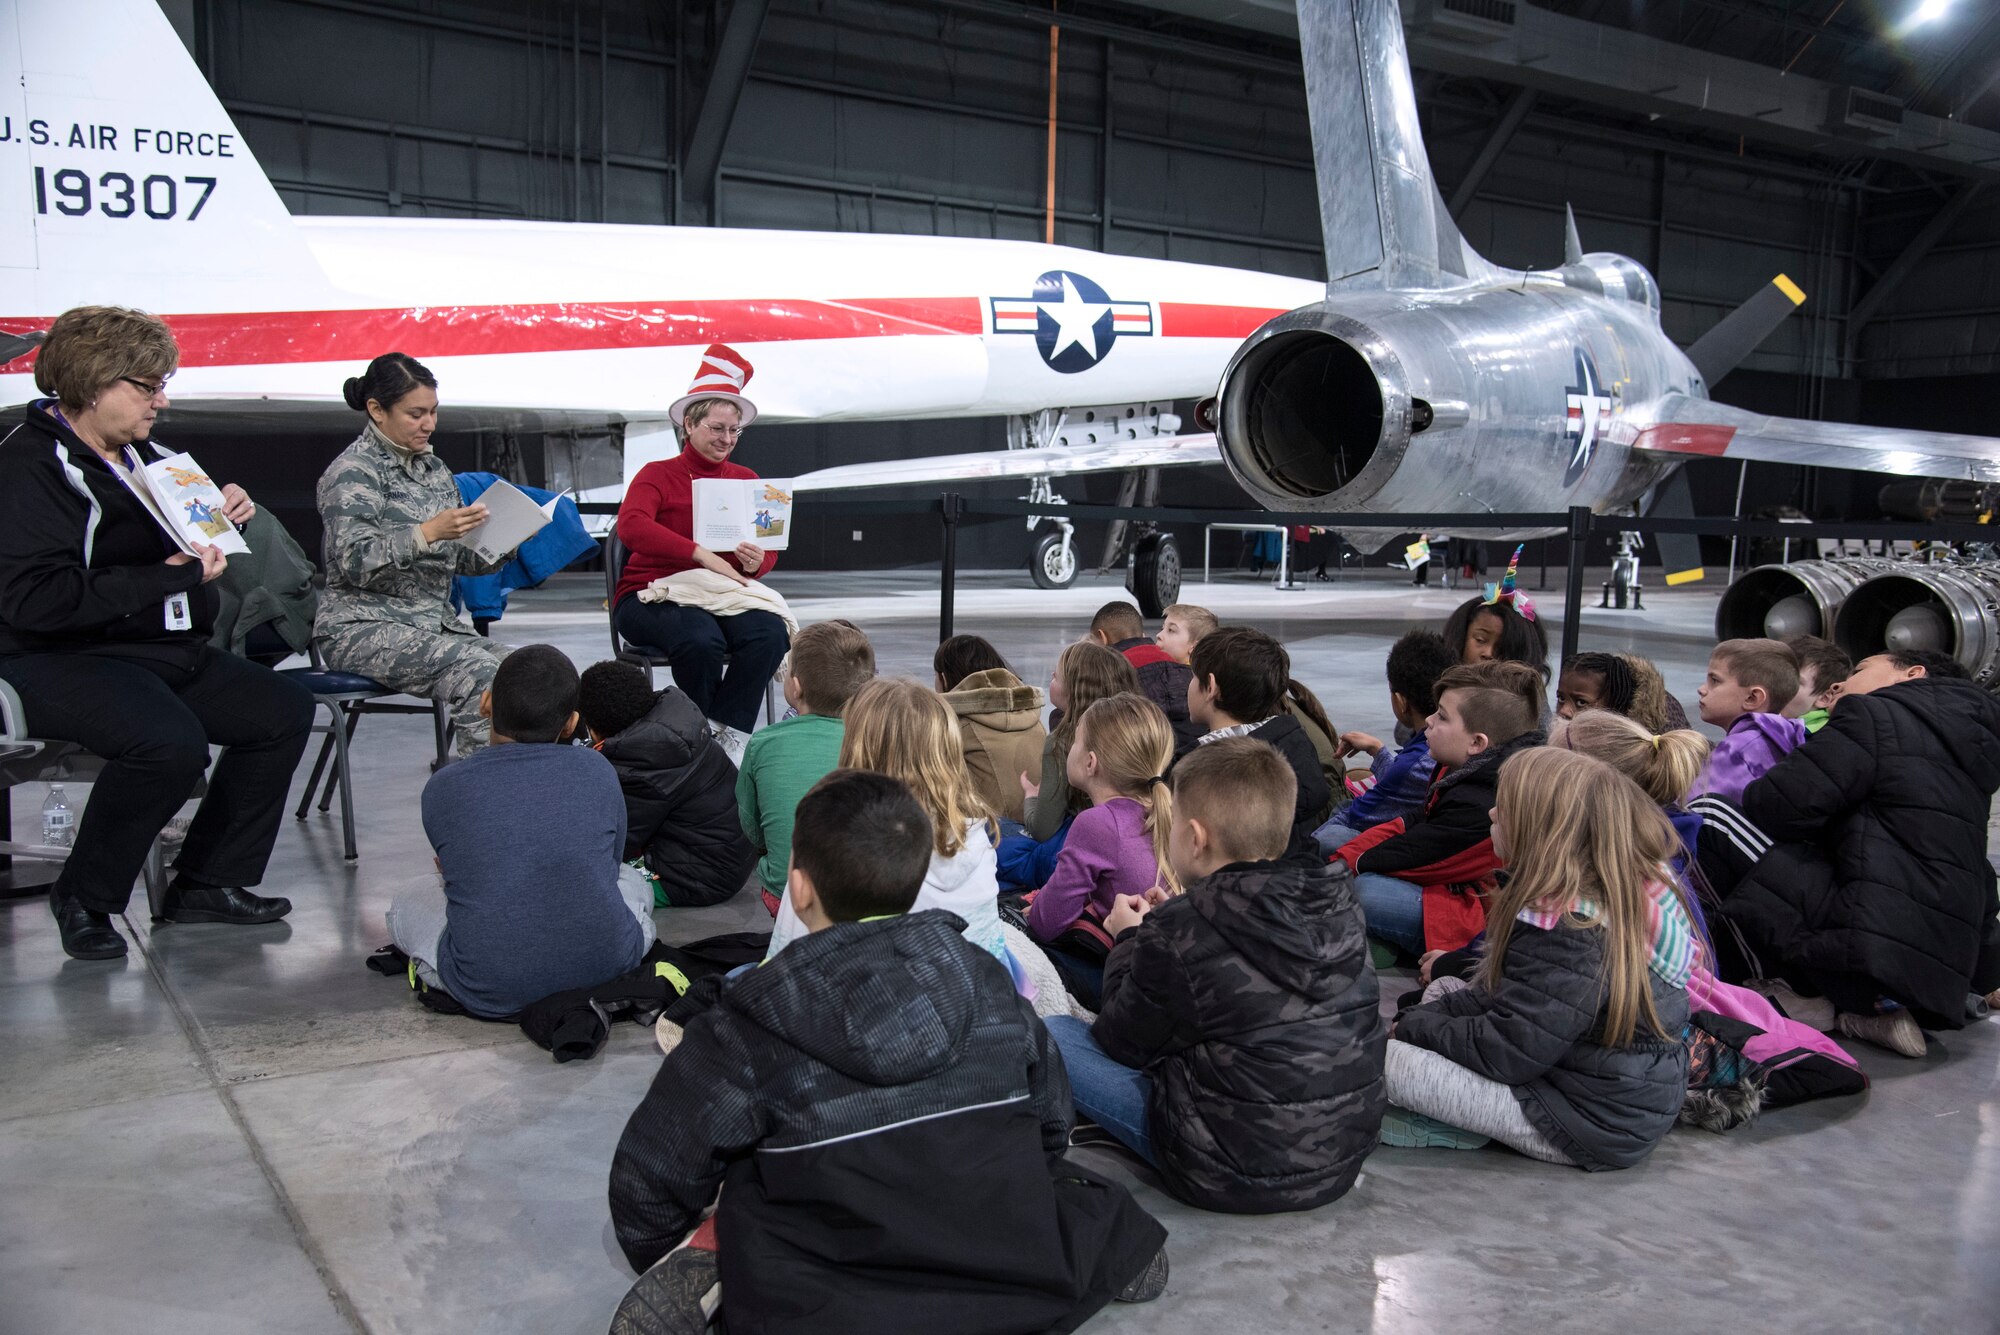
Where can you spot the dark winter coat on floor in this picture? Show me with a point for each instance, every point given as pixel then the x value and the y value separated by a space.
pixel 1252 1004
pixel 1163 679
pixel 886 1118
pixel 1542 1032
pixel 1879 873
pixel 1449 849
pixel 680 803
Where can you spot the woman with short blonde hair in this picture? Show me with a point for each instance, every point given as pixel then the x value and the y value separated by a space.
pixel 104 630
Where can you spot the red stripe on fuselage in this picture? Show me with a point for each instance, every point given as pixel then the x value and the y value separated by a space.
pixel 281 337
pixel 1686 438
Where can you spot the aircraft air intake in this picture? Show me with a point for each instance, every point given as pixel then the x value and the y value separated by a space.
pixel 1311 414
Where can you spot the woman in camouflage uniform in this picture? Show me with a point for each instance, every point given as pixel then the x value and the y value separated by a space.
pixel 393 520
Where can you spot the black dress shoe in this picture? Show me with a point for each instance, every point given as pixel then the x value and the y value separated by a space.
pixel 187 902
pixel 86 933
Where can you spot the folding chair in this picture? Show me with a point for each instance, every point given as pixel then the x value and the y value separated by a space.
pixel 640 656
pixel 347 696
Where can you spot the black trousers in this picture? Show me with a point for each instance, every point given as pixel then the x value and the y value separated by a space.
pixel 152 720
pixel 695 643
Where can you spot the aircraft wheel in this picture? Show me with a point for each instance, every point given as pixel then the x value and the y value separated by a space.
pixel 1054 566
pixel 1154 576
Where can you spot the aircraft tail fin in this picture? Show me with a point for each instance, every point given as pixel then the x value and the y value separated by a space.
pixel 1572 243
pixel 1383 222
pixel 1737 334
pixel 139 190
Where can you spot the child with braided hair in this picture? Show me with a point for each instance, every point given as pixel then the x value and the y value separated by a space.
pixel 1622 683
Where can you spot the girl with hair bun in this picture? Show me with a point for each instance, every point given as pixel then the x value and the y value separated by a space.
pixel 394 526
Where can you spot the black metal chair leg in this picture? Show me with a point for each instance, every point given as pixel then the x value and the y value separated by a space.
pixel 339 774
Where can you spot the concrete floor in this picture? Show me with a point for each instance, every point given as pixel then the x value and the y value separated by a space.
pixel 243 1130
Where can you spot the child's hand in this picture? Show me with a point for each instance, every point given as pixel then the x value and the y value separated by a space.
pixel 1424 967
pixel 1029 788
pixel 1156 896
pixel 1350 742
pixel 1129 912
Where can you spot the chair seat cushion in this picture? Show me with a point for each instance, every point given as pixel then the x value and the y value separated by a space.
pixel 325 681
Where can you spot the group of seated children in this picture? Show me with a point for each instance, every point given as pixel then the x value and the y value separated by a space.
pixel 1208 913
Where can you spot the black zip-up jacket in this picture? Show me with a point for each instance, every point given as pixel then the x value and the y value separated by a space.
pixel 1252 1004
pixel 1879 872
pixel 82 561
pixel 680 803
pixel 1542 1032
pixel 886 1120
pixel 1285 736
pixel 1455 816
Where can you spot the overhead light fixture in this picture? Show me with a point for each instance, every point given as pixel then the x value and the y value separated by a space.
pixel 1927 11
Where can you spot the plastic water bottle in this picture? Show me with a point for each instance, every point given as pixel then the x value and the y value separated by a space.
pixel 58 819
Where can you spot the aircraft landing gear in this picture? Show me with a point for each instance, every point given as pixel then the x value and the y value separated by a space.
pixel 1153 576
pixel 1054 564
pixel 1623 586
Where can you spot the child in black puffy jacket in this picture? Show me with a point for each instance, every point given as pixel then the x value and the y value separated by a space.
pixel 1567 1045
pixel 679 785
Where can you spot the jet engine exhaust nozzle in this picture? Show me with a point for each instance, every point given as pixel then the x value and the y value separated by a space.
pixel 1951 610
pixel 1311 414
pixel 1780 601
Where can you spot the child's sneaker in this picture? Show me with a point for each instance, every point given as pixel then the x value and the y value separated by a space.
pixel 1149 1283
pixel 734 743
pixel 1414 1131
pixel 1813 1012
pixel 679 1295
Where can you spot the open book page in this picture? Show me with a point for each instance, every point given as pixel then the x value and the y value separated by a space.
pixel 512 517
pixel 191 504
pixel 733 510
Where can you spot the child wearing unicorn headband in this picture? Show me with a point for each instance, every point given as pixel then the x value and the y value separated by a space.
pixel 1501 626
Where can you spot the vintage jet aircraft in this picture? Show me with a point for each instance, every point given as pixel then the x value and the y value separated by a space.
pixel 1431 381
pixel 131 185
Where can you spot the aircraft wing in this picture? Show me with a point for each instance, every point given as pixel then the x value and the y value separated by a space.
pixel 1006 465
pixel 1682 425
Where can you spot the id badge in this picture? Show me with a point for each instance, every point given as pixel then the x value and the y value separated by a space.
pixel 178 616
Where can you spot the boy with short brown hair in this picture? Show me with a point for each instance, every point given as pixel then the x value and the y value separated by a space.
pixel 1257 976
pixel 1182 627
pixel 1748 684
pixel 827 664
pixel 1823 665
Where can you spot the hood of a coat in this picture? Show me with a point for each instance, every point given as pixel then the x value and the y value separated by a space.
pixel 888 1002
pixel 1287 918
pixel 669 736
pixel 998 699
pixel 1963 716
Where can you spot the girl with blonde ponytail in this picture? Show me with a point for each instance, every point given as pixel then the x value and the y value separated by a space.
pixel 1119 761
pixel 1665 765
pixel 1567 1046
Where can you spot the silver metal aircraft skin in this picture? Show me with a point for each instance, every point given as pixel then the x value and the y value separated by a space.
pixel 1431 380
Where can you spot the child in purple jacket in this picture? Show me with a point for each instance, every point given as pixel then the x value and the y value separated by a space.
pixel 1748 683
pixel 1118 846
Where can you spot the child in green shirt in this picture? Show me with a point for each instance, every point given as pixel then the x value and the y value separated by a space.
pixel 828 663
pixel 1823 665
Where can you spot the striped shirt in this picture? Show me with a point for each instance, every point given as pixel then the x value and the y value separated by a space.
pixel 1673 935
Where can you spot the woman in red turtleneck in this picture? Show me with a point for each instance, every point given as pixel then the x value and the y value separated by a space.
pixel 655 523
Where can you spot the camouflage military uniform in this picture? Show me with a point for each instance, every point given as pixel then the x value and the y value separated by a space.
pixel 387 610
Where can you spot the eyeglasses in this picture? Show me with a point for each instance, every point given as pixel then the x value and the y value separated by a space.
pixel 151 391
pixel 729 432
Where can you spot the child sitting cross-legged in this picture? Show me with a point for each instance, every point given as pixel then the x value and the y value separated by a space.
pixel 1402 775
pixel 1118 846
pixel 1242 681
pixel 1567 1044
pixel 885 1120
pixel 1748 683
pixel 529 836
pixel 679 785
pixel 1423 880
pixel 1239 1050
pixel 900 729
pixel 827 664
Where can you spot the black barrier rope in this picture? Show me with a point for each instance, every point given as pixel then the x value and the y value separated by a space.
pixel 1577 524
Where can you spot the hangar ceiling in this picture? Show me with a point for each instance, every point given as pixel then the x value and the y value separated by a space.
pixel 1716 141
